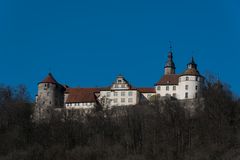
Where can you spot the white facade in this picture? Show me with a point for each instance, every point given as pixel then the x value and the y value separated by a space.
pixel 168 90
pixel 120 97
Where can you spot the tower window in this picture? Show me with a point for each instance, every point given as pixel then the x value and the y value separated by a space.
pixel 186 87
pixel 119 81
pixel 186 95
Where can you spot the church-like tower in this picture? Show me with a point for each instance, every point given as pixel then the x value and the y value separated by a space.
pixel 169 67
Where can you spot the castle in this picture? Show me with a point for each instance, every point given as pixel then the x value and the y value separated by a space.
pixel 184 86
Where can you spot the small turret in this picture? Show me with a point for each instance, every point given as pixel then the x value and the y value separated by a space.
pixel 192 64
pixel 192 68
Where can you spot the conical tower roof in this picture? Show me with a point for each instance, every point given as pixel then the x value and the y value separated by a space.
pixel 49 79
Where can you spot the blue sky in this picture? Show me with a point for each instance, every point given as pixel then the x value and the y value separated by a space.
pixel 88 43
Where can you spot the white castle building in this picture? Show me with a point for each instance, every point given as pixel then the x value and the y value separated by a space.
pixel 183 86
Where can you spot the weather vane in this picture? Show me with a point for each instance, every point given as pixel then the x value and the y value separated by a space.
pixel 170 45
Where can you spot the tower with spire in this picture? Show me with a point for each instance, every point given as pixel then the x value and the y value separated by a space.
pixel 169 67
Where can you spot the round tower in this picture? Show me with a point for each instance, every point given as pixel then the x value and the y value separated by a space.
pixel 50 96
pixel 169 67
pixel 50 93
pixel 190 82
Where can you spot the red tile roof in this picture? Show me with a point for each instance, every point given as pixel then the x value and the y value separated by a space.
pixel 171 79
pixel 146 90
pixel 49 79
pixel 81 95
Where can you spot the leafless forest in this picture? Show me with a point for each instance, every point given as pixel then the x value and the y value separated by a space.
pixel 160 131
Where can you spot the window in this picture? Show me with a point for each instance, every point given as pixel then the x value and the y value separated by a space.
pixel 149 95
pixel 187 78
pixel 130 100
pixel 122 85
pixel 130 93
pixel 186 87
pixel 115 94
pixel 196 87
pixel 174 95
pixel 108 94
pixel 119 81
pixel 122 93
pixel 158 88
pixel 115 100
pixel 196 95
pixel 196 78
pixel 186 95
pixel 122 99
pixel 174 88
pixel 167 88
